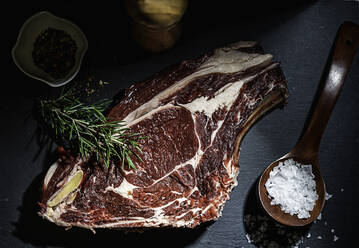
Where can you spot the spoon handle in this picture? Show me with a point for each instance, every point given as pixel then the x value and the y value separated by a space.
pixel 337 67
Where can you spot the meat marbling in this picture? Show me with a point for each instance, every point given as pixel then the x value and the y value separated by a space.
pixel 194 115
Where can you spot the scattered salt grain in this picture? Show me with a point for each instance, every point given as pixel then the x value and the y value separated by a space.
pixel 319 237
pixel 328 196
pixel 335 238
pixel 291 185
pixel 342 190
pixel 248 238
pixel 309 235
pixel 319 216
pixel 332 230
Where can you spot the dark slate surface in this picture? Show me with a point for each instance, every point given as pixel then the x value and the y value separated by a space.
pixel 299 35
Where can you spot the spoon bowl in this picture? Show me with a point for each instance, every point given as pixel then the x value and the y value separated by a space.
pixel 274 210
pixel 306 151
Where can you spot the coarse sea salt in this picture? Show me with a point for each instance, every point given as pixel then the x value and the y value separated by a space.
pixel 291 185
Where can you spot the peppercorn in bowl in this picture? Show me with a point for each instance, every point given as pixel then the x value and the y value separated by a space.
pixel 50 49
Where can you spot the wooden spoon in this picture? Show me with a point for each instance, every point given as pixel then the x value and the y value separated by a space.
pixel 307 149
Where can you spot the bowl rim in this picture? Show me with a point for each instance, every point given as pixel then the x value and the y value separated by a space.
pixel 82 54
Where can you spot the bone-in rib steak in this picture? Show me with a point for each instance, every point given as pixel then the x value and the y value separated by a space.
pixel 194 116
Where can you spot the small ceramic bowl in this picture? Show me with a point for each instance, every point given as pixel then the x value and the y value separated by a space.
pixel 22 51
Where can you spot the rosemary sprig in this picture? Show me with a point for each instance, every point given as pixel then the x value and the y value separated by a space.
pixel 88 130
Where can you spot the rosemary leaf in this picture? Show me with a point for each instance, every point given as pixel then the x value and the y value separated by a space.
pixel 88 130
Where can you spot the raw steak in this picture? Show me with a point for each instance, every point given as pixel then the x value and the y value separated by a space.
pixel 194 115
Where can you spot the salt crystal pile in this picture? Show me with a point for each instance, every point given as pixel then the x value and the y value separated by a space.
pixel 291 185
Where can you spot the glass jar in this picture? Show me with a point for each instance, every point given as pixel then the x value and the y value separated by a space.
pixel 156 24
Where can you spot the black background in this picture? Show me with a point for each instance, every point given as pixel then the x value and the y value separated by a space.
pixel 298 33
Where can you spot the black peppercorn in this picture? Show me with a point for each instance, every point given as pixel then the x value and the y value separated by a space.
pixel 54 52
